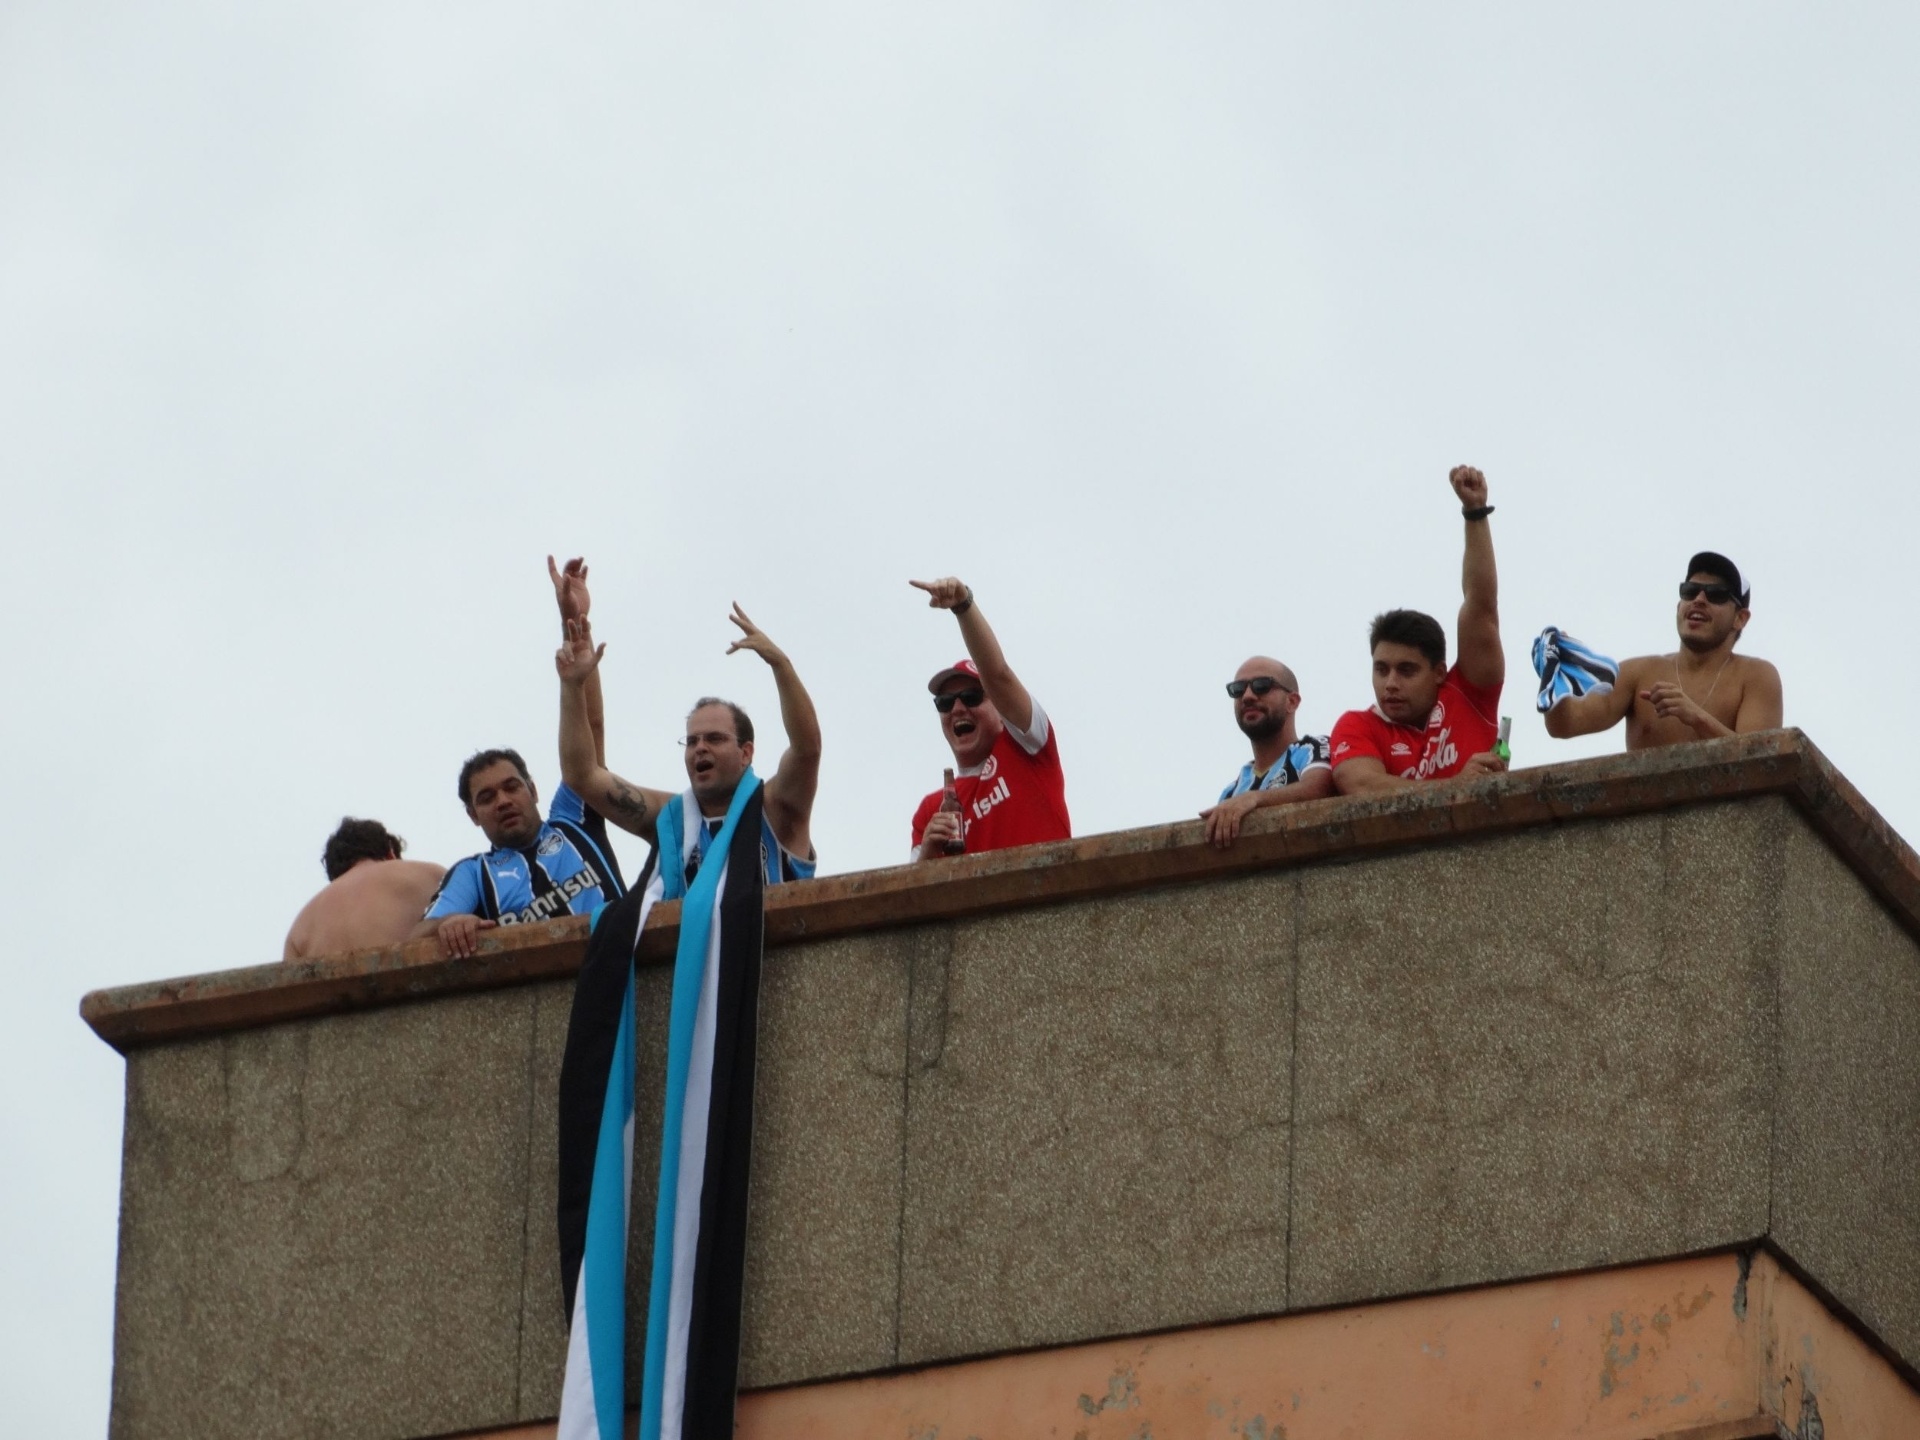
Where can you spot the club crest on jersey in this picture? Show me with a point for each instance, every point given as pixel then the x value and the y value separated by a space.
pixel 551 843
pixel 990 769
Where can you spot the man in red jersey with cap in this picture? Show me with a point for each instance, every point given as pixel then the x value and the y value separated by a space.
pixel 1429 722
pixel 1005 754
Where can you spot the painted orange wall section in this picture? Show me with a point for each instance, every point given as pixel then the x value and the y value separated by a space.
pixel 1620 1355
pixel 1813 1363
pixel 1631 1354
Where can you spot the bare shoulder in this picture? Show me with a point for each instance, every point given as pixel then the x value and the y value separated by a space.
pixel 414 876
pixel 300 932
pixel 1752 669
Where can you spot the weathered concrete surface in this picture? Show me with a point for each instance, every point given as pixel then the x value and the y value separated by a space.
pixel 1846 1161
pixel 322 1227
pixel 1571 1069
pixel 1097 1121
pixel 1569 1045
pixel 543 1327
pixel 823 1247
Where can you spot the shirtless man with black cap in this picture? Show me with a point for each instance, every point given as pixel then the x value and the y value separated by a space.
pixel 1700 692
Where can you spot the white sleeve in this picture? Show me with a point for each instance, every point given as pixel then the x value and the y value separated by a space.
pixel 1035 735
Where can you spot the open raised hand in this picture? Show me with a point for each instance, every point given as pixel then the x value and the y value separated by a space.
pixel 578 657
pixel 570 588
pixel 753 638
pixel 947 594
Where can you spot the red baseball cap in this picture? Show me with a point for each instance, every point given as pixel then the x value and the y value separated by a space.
pixel 959 667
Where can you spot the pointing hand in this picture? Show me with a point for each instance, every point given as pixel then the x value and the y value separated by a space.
pixel 942 594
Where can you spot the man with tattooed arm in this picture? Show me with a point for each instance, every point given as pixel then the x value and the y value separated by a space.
pixel 719 748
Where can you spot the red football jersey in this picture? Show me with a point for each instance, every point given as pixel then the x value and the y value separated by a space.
pixel 1464 722
pixel 1016 796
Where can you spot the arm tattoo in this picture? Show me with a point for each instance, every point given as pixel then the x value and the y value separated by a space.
pixel 631 806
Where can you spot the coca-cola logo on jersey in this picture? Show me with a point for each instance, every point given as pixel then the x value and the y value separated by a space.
pixel 1441 752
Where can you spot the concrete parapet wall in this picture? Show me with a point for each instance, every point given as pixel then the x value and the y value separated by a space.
pixel 1587 1016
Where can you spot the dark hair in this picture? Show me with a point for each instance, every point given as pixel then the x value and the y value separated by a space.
pixel 358 840
pixel 742 726
pixel 482 761
pixel 1410 627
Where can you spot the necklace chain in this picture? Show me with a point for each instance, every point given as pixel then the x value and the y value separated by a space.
pixel 1710 689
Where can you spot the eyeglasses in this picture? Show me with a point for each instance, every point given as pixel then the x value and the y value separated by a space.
pixel 1716 594
pixel 1260 685
pixel 970 698
pixel 714 739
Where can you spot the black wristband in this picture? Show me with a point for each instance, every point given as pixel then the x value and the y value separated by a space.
pixel 1479 512
pixel 966 604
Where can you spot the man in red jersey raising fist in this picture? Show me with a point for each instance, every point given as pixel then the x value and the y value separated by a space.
pixel 1429 722
pixel 1006 756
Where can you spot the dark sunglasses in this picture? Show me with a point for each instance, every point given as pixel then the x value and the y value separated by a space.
pixel 1716 594
pixel 1260 685
pixel 971 698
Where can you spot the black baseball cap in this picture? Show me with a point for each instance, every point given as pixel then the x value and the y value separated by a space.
pixel 1709 562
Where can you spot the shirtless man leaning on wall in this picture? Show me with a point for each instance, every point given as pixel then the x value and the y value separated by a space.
pixel 1699 692
pixel 373 896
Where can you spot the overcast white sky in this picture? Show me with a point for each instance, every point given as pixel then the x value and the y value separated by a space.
pixel 322 324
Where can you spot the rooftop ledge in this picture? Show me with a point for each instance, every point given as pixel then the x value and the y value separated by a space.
pixel 1777 762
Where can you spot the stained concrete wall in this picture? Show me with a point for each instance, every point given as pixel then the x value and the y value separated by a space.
pixel 1580 1045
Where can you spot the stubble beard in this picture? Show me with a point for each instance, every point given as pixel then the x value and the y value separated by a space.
pixel 1265 728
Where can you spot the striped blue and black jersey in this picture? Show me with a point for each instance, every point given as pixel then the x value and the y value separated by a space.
pixel 569 869
pixel 1309 752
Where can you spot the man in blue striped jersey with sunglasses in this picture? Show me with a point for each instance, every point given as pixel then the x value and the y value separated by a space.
pixel 1287 767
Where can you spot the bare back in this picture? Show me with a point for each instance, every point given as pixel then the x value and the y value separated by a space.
pixel 1745 681
pixel 374 904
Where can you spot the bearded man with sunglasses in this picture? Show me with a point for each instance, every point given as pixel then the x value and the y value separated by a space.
pixel 1005 753
pixel 1701 691
pixel 1286 766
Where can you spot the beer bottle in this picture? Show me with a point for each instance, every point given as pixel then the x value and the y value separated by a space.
pixel 950 805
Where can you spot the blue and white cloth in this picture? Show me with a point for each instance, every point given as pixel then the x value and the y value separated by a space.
pixel 690 1375
pixel 691 843
pixel 1569 669
pixel 1309 752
